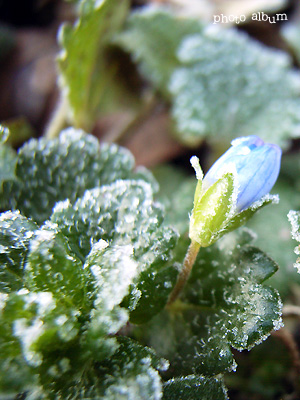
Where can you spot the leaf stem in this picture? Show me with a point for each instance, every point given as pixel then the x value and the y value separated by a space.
pixel 184 274
pixel 58 120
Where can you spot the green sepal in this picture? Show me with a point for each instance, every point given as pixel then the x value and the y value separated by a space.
pixel 212 211
pixel 242 217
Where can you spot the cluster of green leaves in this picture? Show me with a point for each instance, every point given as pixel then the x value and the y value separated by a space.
pixel 84 249
pixel 224 305
pixel 87 266
pixel 90 250
pixel 221 84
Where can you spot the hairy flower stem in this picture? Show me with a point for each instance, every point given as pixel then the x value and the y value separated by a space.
pixel 184 274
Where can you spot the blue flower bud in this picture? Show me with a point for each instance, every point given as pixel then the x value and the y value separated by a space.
pixel 257 166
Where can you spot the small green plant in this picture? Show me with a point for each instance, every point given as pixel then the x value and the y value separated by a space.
pixel 89 270
pixel 118 283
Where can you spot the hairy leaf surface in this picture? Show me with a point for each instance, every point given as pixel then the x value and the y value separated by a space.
pixel 221 83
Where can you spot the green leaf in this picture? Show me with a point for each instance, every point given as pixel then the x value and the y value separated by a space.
pixel 112 271
pixel 53 170
pixel 291 33
pixel 15 373
pixel 87 76
pixel 130 374
pixel 207 100
pixel 192 339
pixel 60 343
pixel 153 36
pixel 230 284
pixel 224 305
pixel 194 387
pixel 51 267
pixel 124 213
pixel 274 236
pixel 241 218
pixel 39 338
pixel 294 218
pixel 221 83
pixel 15 234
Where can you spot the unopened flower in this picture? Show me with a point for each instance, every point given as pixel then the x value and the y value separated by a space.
pixel 234 188
pixel 257 166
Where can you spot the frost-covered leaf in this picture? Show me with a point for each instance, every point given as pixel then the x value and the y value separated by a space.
pixel 274 236
pixel 15 234
pixel 130 374
pixel 51 267
pixel 191 339
pixel 124 213
pixel 195 387
pixel 112 271
pixel 229 280
pixel 221 83
pixel 15 373
pixel 224 304
pixel 87 78
pixel 228 86
pixel 291 32
pixel 53 170
pixel 39 339
pixel 58 346
pixel 153 37
pixel 294 218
